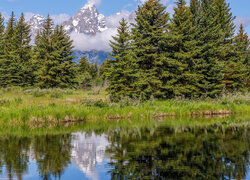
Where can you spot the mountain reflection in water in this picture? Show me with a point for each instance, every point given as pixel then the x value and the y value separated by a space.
pixel 134 153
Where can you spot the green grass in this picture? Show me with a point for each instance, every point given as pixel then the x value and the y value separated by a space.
pixel 35 107
pixel 180 124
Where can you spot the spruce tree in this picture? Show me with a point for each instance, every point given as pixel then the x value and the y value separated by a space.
pixel 83 76
pixel 64 67
pixel 236 70
pixel 44 60
pixel 101 70
pixel 24 50
pixel 2 28
pixel 181 78
pixel 10 67
pixel 208 64
pixel 122 70
pixel 149 33
pixel 94 70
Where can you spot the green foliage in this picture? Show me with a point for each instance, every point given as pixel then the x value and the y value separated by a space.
pixel 122 72
pixel 180 71
pixel 149 34
pixel 84 77
pixel 10 67
pixel 53 54
pixel 24 51
pixel 194 55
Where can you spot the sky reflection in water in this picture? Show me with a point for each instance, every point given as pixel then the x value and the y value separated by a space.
pixel 157 153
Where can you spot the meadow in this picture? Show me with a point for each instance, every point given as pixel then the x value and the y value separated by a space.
pixel 49 107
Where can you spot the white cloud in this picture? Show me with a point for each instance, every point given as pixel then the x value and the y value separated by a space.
pixel 5 15
pixel 112 21
pixel 60 18
pixel 98 42
pixel 95 2
pixel 245 21
pixel 28 15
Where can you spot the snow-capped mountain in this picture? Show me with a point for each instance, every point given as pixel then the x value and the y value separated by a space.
pixel 89 25
pixel 36 22
pixel 87 20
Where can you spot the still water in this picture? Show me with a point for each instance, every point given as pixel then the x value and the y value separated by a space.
pixel 132 153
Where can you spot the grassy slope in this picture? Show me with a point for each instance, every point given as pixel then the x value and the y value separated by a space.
pixel 18 106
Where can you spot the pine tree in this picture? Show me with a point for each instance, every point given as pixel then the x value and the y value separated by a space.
pixel 22 38
pixel 236 70
pixel 101 70
pixel 44 60
pixel 181 78
pixel 122 70
pixel 208 64
pixel 225 19
pixel 93 70
pixel 83 77
pixel 10 67
pixel 2 28
pixel 62 48
pixel 149 34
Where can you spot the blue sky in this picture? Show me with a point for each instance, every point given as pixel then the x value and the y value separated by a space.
pixel 62 10
pixel 240 8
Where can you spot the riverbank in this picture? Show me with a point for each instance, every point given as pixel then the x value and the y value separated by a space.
pixel 35 107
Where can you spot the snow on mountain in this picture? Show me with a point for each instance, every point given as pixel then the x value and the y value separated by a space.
pixel 36 23
pixel 87 21
pixel 89 30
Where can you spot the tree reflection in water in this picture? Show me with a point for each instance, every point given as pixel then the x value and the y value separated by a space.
pixel 52 154
pixel 164 154
pixel 135 153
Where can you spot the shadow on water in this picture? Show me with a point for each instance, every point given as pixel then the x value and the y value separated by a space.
pixel 132 153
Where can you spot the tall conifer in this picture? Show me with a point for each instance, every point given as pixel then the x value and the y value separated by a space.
pixel 2 28
pixel 122 70
pixel 45 76
pixel 83 76
pixel 65 70
pixel 237 70
pixel 24 50
pixel 209 38
pixel 10 67
pixel 180 66
pixel 149 33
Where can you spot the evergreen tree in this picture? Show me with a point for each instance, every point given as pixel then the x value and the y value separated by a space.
pixel 10 67
pixel 149 33
pixel 208 64
pixel 236 70
pixel 83 77
pixel 45 76
pixel 54 56
pixel 181 78
pixel 23 51
pixel 101 70
pixel 2 28
pixel 93 70
pixel 122 70
pixel 62 54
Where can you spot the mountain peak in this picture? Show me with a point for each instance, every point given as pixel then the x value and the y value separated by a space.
pixel 89 6
pixel 87 20
pixel 36 22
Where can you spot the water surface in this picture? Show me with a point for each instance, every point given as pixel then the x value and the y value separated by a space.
pixel 129 153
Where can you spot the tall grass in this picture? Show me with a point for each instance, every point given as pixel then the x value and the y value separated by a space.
pixel 35 106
